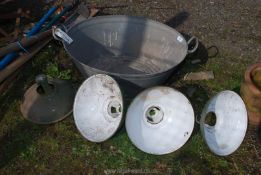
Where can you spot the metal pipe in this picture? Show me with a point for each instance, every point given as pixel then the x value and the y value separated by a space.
pixel 25 42
pixel 56 18
pixel 11 68
pixel 8 58
pixel 38 26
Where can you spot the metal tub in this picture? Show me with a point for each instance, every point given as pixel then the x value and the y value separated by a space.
pixel 138 52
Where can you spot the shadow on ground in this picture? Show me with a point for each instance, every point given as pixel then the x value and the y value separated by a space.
pixel 193 61
pixel 17 140
pixel 20 134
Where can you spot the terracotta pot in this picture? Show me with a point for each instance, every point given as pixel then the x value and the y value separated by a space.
pixel 251 93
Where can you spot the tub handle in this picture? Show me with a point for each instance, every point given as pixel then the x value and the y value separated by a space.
pixel 196 44
pixel 60 35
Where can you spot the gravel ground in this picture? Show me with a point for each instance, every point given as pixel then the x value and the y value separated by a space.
pixel 225 24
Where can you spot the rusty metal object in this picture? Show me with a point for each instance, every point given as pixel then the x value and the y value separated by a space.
pixel 251 93
pixel 93 12
pixel 81 13
pixel 25 42
pixel 22 60
pixel 17 24
pixel 48 101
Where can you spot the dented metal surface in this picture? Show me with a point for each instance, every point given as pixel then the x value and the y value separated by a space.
pixel 159 120
pixel 98 108
pixel 48 101
pixel 227 133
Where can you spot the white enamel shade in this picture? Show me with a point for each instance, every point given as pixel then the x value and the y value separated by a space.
pixel 231 123
pixel 98 108
pixel 171 124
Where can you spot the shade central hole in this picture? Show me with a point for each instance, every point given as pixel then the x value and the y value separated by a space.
pixel 211 119
pixel 154 115
pixel 114 109
pixel 41 91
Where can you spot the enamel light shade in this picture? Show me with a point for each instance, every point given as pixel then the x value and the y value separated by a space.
pixel 48 100
pixel 160 120
pixel 98 108
pixel 228 132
